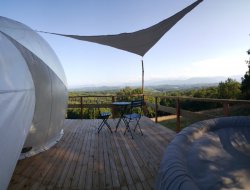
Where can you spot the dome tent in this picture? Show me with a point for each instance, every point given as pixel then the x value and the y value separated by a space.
pixel 33 95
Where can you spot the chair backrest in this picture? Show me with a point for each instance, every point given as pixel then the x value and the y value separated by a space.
pixel 98 107
pixel 136 103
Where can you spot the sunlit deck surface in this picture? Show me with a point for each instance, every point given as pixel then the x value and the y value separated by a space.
pixel 84 159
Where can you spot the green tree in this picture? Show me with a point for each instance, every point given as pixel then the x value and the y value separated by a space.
pixel 245 81
pixel 126 93
pixel 230 89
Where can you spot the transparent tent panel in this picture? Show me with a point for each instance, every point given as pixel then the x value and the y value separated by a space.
pixel 34 42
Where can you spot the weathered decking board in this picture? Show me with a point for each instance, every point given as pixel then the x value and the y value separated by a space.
pixel 84 159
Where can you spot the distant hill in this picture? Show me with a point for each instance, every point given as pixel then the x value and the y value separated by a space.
pixel 162 85
pixel 165 88
pixel 96 88
pixel 192 81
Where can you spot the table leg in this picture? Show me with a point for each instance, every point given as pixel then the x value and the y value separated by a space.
pixel 117 125
pixel 123 110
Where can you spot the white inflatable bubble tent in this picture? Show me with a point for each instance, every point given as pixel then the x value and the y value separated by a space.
pixel 33 96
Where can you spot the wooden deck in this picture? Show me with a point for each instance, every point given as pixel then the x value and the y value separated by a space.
pixel 83 159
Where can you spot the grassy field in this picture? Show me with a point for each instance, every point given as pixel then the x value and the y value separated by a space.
pixel 170 121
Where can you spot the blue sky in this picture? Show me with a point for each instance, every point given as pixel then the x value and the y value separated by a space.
pixel 211 40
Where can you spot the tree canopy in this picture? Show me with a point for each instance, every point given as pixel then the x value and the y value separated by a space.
pixel 245 83
pixel 230 89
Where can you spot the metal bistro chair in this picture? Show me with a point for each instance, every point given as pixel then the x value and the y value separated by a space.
pixel 133 116
pixel 104 116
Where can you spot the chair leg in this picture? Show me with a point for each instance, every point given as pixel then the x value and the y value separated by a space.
pixel 106 122
pixel 126 123
pixel 128 128
pixel 117 125
pixel 100 126
pixel 138 124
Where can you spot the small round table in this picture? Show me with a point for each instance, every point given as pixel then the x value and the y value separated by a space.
pixel 122 107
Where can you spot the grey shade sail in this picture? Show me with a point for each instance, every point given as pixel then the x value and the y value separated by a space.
pixel 139 42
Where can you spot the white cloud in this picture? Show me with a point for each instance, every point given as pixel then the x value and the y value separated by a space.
pixel 220 66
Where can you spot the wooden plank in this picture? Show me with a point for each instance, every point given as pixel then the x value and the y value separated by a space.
pixel 55 170
pixel 132 187
pixel 101 162
pixel 128 159
pixel 134 162
pixel 96 158
pixel 18 182
pixel 84 166
pixel 157 140
pixel 118 158
pixel 75 158
pixel 117 166
pixel 107 168
pixel 85 160
pixel 76 176
pixel 36 170
pixel 140 158
pixel 146 186
pixel 60 172
pixel 139 186
pixel 157 133
pixel 48 160
pixel 63 180
pixel 90 164
pixel 113 169
pixel 144 152
pixel 148 153
pixel 122 160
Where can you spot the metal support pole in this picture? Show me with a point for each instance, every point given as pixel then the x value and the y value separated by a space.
pixel 142 85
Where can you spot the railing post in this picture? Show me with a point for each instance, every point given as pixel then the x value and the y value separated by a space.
pixel 226 108
pixel 156 109
pixel 81 109
pixel 113 109
pixel 94 111
pixel 178 113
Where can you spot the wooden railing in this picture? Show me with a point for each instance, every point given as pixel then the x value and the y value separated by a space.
pixel 186 113
pixel 79 102
pixel 91 102
pixel 105 101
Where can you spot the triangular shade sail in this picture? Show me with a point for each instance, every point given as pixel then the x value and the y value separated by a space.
pixel 141 41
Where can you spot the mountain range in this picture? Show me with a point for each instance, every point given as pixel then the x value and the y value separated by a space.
pixel 162 85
